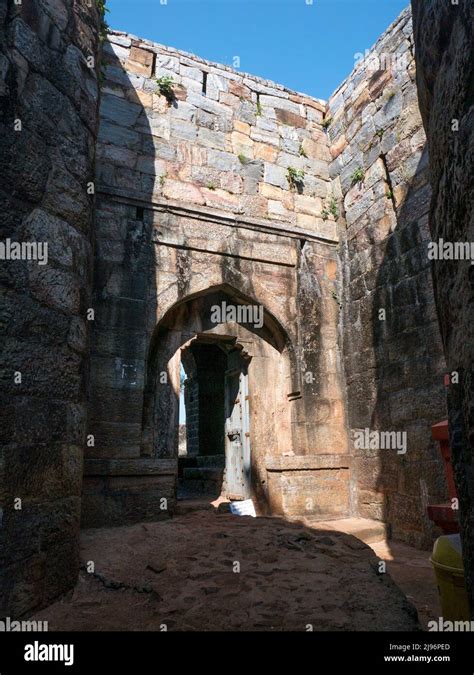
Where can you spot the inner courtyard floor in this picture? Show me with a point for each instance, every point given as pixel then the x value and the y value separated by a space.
pixel 207 570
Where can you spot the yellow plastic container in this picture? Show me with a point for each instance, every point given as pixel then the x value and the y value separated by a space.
pixel 448 566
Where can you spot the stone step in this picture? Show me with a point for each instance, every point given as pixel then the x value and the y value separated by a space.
pixel 368 531
pixel 202 473
pixel 200 487
pixel 197 461
pixel 211 460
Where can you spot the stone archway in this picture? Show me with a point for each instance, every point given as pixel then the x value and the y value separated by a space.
pixel 256 359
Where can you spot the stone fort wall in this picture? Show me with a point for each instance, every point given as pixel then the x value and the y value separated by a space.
pixel 443 39
pixel 222 150
pixel 193 195
pixel 48 126
pixel 393 356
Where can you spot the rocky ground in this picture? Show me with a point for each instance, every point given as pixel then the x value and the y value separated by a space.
pixel 214 571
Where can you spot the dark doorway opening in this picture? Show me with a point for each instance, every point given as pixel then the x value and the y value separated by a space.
pixel 201 469
pixel 212 462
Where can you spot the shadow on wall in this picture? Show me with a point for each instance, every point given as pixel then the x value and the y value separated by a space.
pixel 48 120
pixel 409 365
pixel 125 302
pixel 144 259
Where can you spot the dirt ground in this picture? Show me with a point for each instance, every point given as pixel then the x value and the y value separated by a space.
pixel 412 571
pixel 209 571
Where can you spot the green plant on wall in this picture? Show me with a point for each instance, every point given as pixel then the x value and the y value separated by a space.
pixel 326 122
pixel 211 186
pixel 302 151
pixel 165 87
pixel 162 179
pixel 295 177
pixel 242 158
pixel 259 109
pixel 357 176
pixel 330 209
pixel 104 26
pixel 101 78
pixel 333 207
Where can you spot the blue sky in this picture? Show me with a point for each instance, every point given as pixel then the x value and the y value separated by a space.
pixel 307 47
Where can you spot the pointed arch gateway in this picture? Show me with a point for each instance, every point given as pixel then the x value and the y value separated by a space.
pixel 241 378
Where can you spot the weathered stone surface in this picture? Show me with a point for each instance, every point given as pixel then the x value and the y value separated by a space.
pixel 385 214
pixel 186 192
pixel 290 119
pixel 276 175
pixel 445 92
pixel 46 84
pixel 140 61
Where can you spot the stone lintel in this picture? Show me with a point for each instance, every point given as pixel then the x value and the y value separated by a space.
pixel 307 462
pixel 213 215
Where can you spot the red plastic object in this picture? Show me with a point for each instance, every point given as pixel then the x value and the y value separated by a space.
pixel 443 515
pixel 439 432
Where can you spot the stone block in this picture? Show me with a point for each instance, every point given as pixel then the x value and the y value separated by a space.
pixel 266 152
pixel 290 146
pixel 191 85
pixel 224 161
pixel 119 136
pixel 275 193
pixel 186 192
pixel 119 111
pixel 191 73
pixel 324 228
pixel 212 139
pixel 119 500
pixel 122 40
pixel 116 50
pixel 241 144
pixel 220 199
pixel 177 129
pixel 140 61
pixel 246 112
pixel 293 493
pixel 229 100
pixel 309 205
pixel 378 82
pixel 126 79
pixel 281 104
pixel 206 104
pixel 264 137
pixel 239 90
pixel 242 127
pixel 183 111
pixel 275 175
pixel 167 62
pixel 290 119
pixel 215 85
pixel 276 209
pixel 315 117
